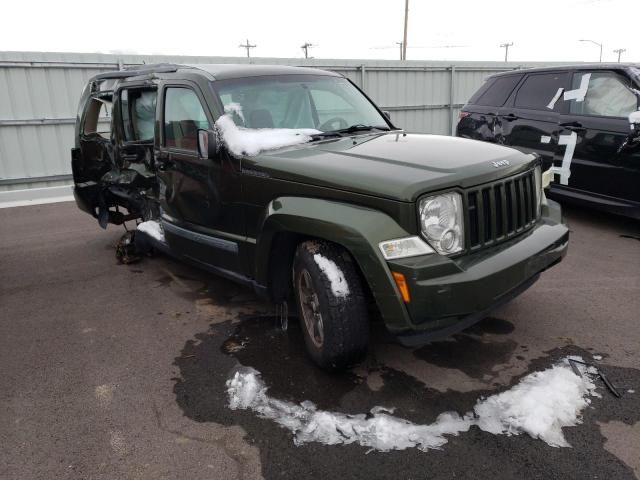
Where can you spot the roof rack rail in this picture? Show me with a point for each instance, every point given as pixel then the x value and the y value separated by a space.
pixel 139 70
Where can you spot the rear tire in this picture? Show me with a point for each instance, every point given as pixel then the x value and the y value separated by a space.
pixel 331 304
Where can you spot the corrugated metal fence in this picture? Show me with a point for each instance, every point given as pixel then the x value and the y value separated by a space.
pixel 39 94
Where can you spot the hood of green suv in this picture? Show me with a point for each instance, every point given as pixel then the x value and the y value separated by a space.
pixel 391 165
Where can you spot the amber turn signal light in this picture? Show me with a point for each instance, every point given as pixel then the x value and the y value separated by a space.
pixel 402 285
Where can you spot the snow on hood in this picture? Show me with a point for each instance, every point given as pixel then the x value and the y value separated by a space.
pixel 251 141
pixel 540 405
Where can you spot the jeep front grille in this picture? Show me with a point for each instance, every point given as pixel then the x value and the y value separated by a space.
pixel 500 210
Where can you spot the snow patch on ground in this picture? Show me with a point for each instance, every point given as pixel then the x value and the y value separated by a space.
pixel 339 285
pixel 251 141
pixel 540 405
pixel 380 430
pixel 153 229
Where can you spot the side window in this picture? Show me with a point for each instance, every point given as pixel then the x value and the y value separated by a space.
pixel 138 109
pixel 607 95
pixel 97 119
pixel 538 90
pixel 497 92
pixel 183 116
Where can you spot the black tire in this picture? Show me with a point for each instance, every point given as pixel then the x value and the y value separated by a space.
pixel 344 318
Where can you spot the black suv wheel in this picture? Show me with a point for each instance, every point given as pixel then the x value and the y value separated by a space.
pixel 331 304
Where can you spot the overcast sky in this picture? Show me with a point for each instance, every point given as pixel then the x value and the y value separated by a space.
pixel 546 30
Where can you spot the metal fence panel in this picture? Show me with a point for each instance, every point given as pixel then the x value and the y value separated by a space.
pixel 39 93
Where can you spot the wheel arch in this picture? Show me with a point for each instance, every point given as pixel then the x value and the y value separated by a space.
pixel 288 221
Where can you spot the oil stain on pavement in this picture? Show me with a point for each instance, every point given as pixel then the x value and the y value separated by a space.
pixel 206 362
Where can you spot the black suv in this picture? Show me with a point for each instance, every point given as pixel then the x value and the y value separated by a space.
pixel 582 120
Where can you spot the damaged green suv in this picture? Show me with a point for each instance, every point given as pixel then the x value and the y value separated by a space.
pixel 292 181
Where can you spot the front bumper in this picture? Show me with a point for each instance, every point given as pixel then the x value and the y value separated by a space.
pixel 448 295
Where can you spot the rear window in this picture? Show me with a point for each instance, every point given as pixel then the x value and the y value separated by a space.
pixel 495 91
pixel 538 90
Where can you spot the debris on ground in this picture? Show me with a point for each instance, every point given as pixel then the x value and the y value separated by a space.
pixel 126 251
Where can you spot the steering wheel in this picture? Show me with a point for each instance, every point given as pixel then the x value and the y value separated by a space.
pixel 331 124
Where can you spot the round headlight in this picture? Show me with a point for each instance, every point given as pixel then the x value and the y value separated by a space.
pixel 441 222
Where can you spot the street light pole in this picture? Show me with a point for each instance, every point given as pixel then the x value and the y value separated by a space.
pixel 506 49
pixel 400 44
pixel 619 51
pixel 595 43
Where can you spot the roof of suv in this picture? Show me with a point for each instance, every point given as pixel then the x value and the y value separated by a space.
pixel 578 66
pixel 229 70
pixel 220 71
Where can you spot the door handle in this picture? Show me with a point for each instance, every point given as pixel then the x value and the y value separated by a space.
pixel 510 118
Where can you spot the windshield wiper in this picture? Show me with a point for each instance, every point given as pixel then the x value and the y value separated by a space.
pixel 358 127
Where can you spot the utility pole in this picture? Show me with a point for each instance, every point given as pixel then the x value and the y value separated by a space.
pixel 248 46
pixel 506 50
pixel 619 51
pixel 400 43
pixel 306 48
pixel 406 26
pixel 595 43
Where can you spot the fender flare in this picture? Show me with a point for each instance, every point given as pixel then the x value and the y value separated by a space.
pixel 356 228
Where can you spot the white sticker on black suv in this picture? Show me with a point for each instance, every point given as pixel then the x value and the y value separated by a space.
pixel 565 170
pixel 579 93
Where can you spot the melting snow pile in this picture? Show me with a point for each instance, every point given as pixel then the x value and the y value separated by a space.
pixel 252 141
pixel 380 430
pixel 153 229
pixel 540 405
pixel 339 285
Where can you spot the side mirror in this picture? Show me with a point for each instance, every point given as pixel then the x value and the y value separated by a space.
pixel 387 114
pixel 634 121
pixel 633 139
pixel 207 143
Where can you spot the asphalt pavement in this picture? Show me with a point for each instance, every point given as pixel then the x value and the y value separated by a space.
pixel 111 371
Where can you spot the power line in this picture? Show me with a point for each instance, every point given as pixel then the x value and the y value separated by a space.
pixel 619 51
pixel 506 49
pixel 248 46
pixel 306 48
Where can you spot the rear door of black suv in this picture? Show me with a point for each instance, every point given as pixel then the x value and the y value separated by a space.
pixel 529 119
pixel 478 118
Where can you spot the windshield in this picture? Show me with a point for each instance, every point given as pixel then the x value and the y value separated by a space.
pixel 636 74
pixel 319 102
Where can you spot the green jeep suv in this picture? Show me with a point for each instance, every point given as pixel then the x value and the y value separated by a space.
pixel 293 182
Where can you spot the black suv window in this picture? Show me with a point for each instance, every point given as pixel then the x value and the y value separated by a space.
pixel 538 90
pixel 183 116
pixel 138 109
pixel 496 91
pixel 608 95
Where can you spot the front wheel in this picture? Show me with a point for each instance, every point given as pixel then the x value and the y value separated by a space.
pixel 331 304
